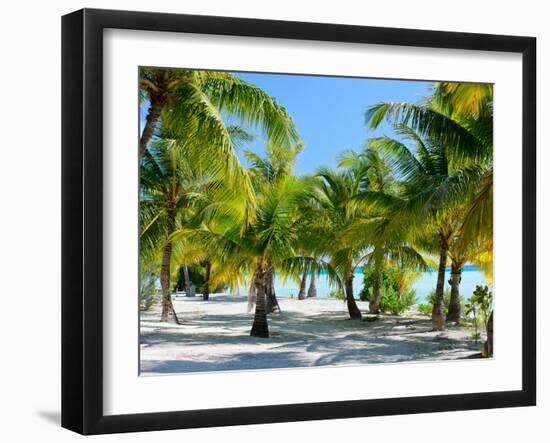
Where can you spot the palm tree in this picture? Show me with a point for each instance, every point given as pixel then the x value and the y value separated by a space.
pixel 259 244
pixel 312 227
pixel 303 284
pixel 187 97
pixel 466 248
pixel 386 244
pixel 272 237
pixel 453 150
pixel 166 189
pixel 337 190
pixel 472 104
pixel 175 182
pixel 373 229
pixel 432 190
pixel 268 171
pixel 312 290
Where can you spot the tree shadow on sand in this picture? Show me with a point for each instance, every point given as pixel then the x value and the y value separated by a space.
pixel 221 342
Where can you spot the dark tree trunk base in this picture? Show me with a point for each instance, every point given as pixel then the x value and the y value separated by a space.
pixel 259 330
pixel 206 286
pixel 259 326
pixel 168 314
pixel 438 322
pixel 353 310
pixel 374 307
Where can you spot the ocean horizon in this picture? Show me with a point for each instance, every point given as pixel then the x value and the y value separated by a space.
pixel 471 276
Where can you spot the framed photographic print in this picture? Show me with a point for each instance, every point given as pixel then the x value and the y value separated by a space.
pixel 269 221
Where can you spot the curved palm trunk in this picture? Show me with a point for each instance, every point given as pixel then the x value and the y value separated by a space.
pixel 374 304
pixel 168 312
pixel 312 291
pixel 153 116
pixel 438 315
pixel 353 310
pixel 206 286
pixel 302 291
pixel 272 304
pixel 259 326
pixel 454 311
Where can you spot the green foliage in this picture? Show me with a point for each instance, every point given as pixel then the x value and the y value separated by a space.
pixel 196 277
pixel 479 309
pixel 385 205
pixel 390 301
pixel 388 280
pixel 409 298
pixel 426 308
pixel 337 294
pixel 147 291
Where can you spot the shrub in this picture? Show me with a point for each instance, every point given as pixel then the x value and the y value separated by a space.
pixel 388 279
pixel 337 294
pixel 389 290
pixel 409 298
pixel 390 302
pixel 147 291
pixel 425 309
pixel 479 309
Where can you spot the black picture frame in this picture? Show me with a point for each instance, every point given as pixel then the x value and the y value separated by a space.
pixel 82 240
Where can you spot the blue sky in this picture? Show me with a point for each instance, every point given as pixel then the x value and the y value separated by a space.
pixel 329 111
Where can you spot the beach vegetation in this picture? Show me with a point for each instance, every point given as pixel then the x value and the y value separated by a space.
pixel 216 214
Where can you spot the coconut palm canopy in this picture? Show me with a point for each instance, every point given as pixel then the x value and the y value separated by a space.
pixel 249 180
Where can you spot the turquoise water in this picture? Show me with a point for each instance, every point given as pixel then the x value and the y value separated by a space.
pixel 471 276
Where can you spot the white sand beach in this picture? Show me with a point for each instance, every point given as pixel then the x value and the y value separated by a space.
pixel 214 336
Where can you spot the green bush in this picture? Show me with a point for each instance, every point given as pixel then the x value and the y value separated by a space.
pixel 337 294
pixel 389 290
pixel 147 291
pixel 390 302
pixel 388 279
pixel 425 309
pixel 409 298
pixel 479 309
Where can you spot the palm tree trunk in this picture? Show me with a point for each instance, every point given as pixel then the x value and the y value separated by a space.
pixel 374 304
pixel 206 286
pixel 271 297
pixel 354 312
pixel 153 116
pixel 312 291
pixel 168 312
pixel 187 281
pixel 489 343
pixel 302 292
pixel 454 311
pixel 259 326
pixel 438 315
